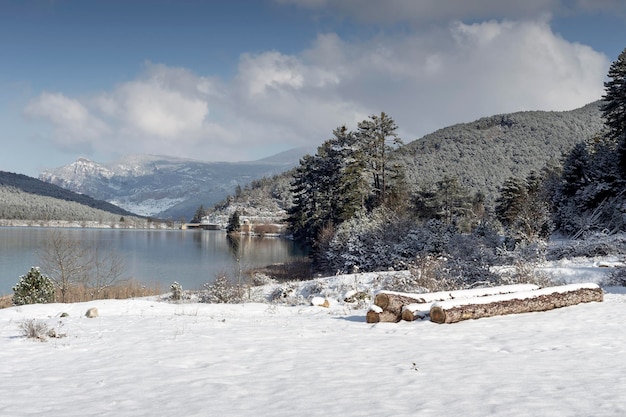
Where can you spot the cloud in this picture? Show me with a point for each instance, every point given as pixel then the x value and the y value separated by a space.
pixel 74 126
pixel 429 11
pixel 420 11
pixel 427 80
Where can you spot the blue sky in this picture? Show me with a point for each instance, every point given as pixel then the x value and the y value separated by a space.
pixel 241 80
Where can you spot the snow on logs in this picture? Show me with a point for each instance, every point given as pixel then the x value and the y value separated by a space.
pixel 390 306
pixel 452 311
pixel 454 306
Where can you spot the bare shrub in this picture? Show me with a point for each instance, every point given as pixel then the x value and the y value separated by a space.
pixel 424 276
pixel 127 289
pixel 298 269
pixel 34 329
pixel 6 301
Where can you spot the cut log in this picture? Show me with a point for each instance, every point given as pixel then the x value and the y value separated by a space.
pixel 544 299
pixel 416 311
pixel 377 315
pixel 384 298
pixel 395 302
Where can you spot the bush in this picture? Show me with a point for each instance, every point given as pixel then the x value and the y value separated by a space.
pixel 222 291
pixel 33 288
pixel 177 291
pixel 34 329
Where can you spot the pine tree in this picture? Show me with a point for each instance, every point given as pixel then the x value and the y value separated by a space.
pixel 379 139
pixel 614 107
pixel 234 223
pixel 199 214
pixel 33 288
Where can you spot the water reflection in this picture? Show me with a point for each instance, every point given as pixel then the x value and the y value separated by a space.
pixel 191 258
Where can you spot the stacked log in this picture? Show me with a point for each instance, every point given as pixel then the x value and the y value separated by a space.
pixel 452 311
pixel 391 306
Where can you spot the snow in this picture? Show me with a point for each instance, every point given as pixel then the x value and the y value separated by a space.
pixel 470 293
pixel 147 357
pixel 561 289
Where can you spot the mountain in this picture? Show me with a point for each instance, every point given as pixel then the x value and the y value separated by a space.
pixel 165 187
pixel 484 153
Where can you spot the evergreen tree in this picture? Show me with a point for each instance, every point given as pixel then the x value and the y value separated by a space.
pixel 523 208
pixel 234 223
pixel 199 214
pixel 614 106
pixel 379 139
pixel 33 288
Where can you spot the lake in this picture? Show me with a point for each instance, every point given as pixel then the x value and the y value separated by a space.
pixel 190 257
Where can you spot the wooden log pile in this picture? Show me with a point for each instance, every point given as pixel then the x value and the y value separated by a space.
pixel 544 299
pixel 390 306
pixel 453 306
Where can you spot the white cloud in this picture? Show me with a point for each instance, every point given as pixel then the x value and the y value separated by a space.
pixel 424 80
pixel 74 126
pixel 419 11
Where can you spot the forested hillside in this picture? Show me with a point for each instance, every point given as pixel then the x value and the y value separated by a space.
pixel 480 155
pixel 484 153
pixel 27 198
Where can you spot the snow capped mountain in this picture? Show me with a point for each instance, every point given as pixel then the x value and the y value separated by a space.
pixel 163 186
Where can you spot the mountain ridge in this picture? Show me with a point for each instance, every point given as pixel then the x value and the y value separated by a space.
pixel 162 186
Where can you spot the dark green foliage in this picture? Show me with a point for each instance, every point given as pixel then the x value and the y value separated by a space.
pixel 234 224
pixel 349 174
pixel 524 210
pixel 447 200
pixel 591 198
pixel 614 106
pixel 33 288
pixel 377 140
pixel 484 153
pixel 199 214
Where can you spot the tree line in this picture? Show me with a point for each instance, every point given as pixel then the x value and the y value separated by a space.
pixel 355 206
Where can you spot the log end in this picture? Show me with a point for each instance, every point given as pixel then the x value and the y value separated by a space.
pixel 372 317
pixel 437 314
pixel 381 300
pixel 407 315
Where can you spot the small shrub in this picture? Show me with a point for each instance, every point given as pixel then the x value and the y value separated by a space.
pixel 33 288
pixel 177 291
pixel 222 291
pixel 287 293
pixel 34 329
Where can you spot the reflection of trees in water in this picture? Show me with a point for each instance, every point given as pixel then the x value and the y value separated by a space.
pixel 254 249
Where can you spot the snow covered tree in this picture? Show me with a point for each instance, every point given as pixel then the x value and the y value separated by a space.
pixel 33 288
pixel 614 106
pixel 328 187
pixel 523 209
pixel 379 140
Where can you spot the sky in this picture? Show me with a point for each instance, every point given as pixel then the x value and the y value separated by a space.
pixel 242 80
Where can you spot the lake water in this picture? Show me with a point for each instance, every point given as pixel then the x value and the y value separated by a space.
pixel 190 257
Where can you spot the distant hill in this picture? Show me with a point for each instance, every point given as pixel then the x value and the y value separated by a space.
pixel 27 198
pixel 484 153
pixel 166 187
pixel 34 186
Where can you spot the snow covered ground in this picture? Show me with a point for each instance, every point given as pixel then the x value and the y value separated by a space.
pixel 153 358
